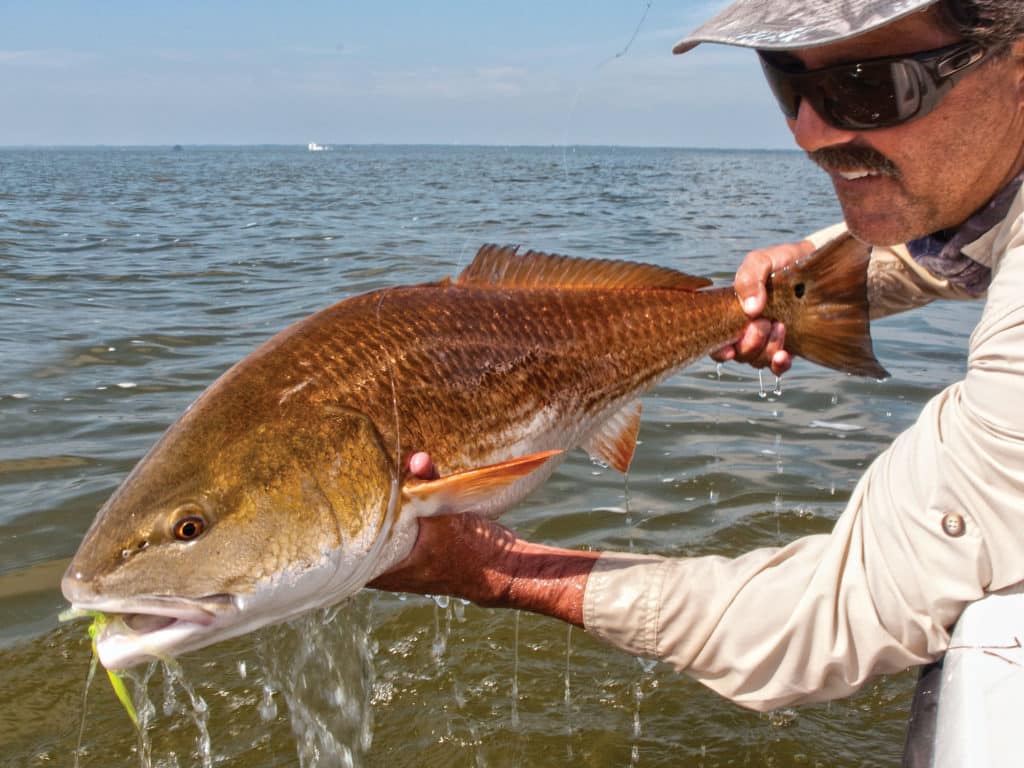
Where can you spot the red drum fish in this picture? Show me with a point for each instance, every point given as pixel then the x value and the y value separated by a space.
pixel 284 486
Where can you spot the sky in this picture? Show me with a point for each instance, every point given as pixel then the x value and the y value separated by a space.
pixel 558 72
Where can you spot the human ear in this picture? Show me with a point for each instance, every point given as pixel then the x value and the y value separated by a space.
pixel 1017 57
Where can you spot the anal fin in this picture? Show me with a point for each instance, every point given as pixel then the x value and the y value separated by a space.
pixel 615 441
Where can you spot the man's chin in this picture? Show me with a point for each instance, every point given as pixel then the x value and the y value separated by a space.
pixel 880 227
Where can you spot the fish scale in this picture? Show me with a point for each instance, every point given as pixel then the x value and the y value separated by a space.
pixel 540 346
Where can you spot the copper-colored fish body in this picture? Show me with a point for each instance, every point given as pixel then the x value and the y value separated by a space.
pixel 280 488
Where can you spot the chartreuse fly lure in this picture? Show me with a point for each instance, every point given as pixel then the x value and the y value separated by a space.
pixel 99 620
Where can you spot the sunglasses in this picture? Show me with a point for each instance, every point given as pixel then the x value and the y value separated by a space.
pixel 877 93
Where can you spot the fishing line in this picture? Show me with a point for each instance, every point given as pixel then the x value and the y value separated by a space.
pixel 465 252
pixel 636 32
pixel 389 359
pixel 565 170
pixel 580 88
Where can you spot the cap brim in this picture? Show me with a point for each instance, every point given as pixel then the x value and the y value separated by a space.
pixel 789 24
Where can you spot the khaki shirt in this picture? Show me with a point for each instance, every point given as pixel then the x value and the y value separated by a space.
pixel 814 620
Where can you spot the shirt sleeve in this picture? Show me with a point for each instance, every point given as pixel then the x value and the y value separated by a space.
pixel 934 523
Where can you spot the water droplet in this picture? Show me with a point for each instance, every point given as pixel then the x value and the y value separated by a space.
pixel 782 718
pixel 514 718
pixel 337 696
pixel 647 665
pixel 267 705
pixel 170 702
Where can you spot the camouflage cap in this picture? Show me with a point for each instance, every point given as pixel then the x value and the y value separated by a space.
pixel 788 24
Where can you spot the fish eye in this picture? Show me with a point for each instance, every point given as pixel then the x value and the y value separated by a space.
pixel 189 528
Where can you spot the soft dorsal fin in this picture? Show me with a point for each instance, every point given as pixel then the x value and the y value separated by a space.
pixel 615 440
pixel 502 266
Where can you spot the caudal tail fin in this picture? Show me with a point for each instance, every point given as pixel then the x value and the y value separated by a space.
pixel 823 301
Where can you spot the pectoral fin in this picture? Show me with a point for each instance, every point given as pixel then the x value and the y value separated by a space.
pixel 478 490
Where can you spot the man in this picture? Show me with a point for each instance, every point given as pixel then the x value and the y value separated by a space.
pixel 925 148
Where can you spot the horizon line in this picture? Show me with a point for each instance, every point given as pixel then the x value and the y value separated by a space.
pixel 339 145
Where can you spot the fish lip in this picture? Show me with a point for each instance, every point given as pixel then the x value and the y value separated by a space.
pixel 202 611
pixel 153 627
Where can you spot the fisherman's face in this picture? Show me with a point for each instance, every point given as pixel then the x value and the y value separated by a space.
pixel 947 163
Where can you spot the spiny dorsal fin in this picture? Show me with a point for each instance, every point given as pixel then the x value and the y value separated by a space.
pixel 502 266
pixel 615 440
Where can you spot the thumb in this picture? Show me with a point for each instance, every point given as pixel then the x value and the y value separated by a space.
pixel 758 266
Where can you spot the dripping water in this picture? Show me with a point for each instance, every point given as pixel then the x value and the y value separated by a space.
pixel 514 719
pixel 647 668
pixel 85 699
pixel 322 667
pixel 568 693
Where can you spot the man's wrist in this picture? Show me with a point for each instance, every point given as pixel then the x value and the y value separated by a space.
pixel 469 557
pixel 547 580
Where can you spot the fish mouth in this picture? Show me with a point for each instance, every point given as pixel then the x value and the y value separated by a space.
pixel 152 627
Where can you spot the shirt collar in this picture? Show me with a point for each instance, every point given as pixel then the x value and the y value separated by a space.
pixel 943 253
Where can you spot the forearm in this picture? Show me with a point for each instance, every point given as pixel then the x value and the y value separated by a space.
pixel 548 580
pixel 474 559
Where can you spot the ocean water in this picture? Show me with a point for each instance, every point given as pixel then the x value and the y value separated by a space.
pixel 131 277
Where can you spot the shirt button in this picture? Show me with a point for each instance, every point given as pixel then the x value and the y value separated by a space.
pixel 953 524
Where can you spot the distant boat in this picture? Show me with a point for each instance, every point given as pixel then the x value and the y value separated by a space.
pixel 314 147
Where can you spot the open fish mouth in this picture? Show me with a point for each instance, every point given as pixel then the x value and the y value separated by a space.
pixel 151 613
pixel 154 627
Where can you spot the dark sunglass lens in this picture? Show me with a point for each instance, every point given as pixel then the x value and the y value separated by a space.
pixel 782 87
pixel 870 95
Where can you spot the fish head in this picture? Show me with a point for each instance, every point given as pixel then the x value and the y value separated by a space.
pixel 221 529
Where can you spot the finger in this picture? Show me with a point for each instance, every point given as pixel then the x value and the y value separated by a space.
pixel 782 361
pixel 750 282
pixel 756 268
pixel 773 355
pixel 421 465
pixel 775 343
pixel 724 355
pixel 751 344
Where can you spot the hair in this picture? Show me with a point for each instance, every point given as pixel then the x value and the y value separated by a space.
pixel 996 24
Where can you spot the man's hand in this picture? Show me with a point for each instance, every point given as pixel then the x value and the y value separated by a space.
pixel 458 555
pixel 476 559
pixel 762 341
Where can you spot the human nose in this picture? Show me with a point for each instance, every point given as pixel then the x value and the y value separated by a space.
pixel 811 132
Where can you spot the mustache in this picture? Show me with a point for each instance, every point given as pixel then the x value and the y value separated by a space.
pixel 852 157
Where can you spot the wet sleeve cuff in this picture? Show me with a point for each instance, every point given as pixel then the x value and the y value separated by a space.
pixel 623 599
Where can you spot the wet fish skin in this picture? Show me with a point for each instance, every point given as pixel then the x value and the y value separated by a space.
pixel 292 460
